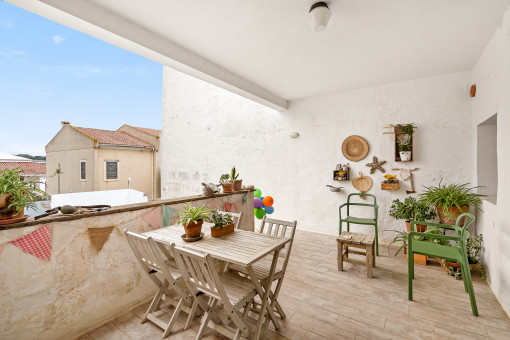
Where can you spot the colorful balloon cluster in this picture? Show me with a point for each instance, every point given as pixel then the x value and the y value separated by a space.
pixel 262 205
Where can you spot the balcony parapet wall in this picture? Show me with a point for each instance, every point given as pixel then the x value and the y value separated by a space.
pixel 82 287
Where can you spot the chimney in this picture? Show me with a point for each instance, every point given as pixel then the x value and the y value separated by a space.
pixel 65 123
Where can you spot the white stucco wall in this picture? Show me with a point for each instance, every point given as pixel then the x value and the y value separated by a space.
pixel 220 129
pixel 492 78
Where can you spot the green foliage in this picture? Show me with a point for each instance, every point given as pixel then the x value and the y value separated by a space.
pixel 474 246
pixel 407 129
pixel 23 192
pixel 220 220
pixel 191 214
pixel 224 178
pixel 412 210
pixel 233 175
pixel 36 158
pixel 453 195
pixel 401 237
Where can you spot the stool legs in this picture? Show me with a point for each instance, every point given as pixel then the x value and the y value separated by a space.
pixel 370 259
pixel 340 256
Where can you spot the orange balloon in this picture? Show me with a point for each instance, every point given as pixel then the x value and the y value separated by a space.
pixel 268 201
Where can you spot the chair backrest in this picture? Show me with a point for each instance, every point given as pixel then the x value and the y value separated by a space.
pixel 274 227
pixel 467 219
pixel 141 248
pixel 235 216
pixel 371 205
pixel 200 274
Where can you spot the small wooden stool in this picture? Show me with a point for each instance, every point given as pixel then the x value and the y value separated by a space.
pixel 356 240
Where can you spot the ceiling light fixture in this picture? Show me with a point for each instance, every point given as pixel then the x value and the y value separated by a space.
pixel 319 16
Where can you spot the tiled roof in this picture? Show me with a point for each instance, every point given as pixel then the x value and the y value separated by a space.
pixel 150 131
pixel 108 137
pixel 29 168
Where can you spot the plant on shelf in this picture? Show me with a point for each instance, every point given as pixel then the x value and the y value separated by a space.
pixel 223 224
pixel 226 183
pixel 233 178
pixel 412 210
pixel 16 194
pixel 451 200
pixel 192 219
pixel 405 141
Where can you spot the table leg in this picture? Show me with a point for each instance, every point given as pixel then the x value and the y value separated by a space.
pixel 340 256
pixel 370 257
pixel 264 296
pixel 374 257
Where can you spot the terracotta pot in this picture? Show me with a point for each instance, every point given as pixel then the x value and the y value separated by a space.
pixel 193 229
pixel 419 259
pixel 454 264
pixel 217 231
pixel 238 184
pixel 452 214
pixel 228 187
pixel 8 213
pixel 421 228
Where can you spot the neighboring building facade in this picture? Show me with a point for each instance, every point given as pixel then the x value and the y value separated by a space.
pixel 94 160
pixel 31 169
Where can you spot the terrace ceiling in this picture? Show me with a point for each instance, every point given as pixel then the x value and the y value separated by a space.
pixel 265 50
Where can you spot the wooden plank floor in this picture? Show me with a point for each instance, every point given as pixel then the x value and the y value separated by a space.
pixel 322 303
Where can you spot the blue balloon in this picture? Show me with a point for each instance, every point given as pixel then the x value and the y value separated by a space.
pixel 269 210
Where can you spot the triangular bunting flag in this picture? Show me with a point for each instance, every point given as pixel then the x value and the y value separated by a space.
pixel 153 217
pixel 239 206
pixel 37 243
pixel 211 204
pixel 98 237
pixel 228 207
pixel 167 215
pixel 2 246
pixel 245 198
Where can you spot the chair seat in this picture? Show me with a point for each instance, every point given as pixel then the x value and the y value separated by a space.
pixel 261 269
pixel 438 250
pixel 359 220
pixel 238 288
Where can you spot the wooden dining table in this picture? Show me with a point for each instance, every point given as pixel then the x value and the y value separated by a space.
pixel 240 247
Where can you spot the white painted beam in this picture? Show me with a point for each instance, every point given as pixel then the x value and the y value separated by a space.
pixel 92 20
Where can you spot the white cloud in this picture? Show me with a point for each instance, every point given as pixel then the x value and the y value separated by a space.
pixel 57 39
pixel 12 53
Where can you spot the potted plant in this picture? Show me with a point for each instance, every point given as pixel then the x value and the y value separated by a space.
pixel 233 178
pixel 474 246
pixel 451 200
pixel 226 184
pixel 403 235
pixel 223 224
pixel 405 141
pixel 16 194
pixel 192 219
pixel 412 210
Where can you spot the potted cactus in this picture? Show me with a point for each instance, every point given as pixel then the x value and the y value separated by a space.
pixel 238 183
pixel 16 194
pixel 192 219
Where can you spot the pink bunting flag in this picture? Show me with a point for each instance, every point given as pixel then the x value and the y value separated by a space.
pixel 228 207
pixel 153 217
pixel 211 204
pixel 37 243
pixel 238 205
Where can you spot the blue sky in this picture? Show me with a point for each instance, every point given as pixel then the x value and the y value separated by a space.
pixel 50 73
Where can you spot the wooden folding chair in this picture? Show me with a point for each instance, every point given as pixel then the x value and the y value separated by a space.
pixel 156 259
pixel 280 228
pixel 228 293
pixel 235 216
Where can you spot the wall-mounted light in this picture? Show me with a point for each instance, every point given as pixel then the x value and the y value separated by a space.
pixel 294 134
pixel 319 16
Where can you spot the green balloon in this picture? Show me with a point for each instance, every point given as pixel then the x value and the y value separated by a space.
pixel 257 193
pixel 259 213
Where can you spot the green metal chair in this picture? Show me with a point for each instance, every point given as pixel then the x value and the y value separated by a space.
pixel 360 220
pixel 417 245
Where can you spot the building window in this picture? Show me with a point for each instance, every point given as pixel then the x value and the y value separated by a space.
pixel 487 158
pixel 111 169
pixel 83 170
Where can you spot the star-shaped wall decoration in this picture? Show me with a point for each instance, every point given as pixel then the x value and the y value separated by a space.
pixel 376 165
